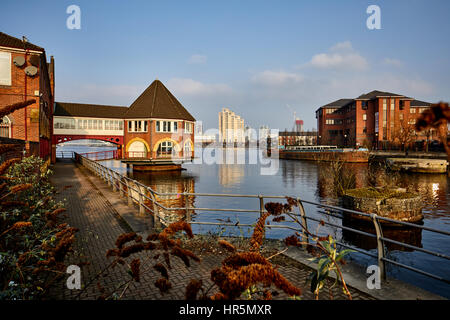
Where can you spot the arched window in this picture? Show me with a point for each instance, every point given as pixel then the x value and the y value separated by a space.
pixel 137 149
pixel 5 127
pixel 165 148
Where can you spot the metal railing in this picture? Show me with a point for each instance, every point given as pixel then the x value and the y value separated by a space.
pixel 65 154
pixel 101 155
pixel 147 200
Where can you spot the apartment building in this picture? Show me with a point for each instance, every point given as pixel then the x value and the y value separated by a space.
pixel 231 127
pixel 379 120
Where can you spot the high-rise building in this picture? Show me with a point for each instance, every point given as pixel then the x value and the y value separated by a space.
pixel 231 127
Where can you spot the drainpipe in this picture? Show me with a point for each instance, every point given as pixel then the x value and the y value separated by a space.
pixel 25 91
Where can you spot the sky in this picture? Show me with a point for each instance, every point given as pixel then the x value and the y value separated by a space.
pixel 264 60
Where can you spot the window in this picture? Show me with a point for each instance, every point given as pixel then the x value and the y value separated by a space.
pixel 100 124
pixel 5 68
pixel 401 104
pixel 401 116
pixel 135 126
pixel 364 116
pixel 412 110
pixel 64 123
pixel 364 130
pixel 95 125
pixel 187 149
pixel 364 105
pixel 107 125
pixel 329 121
pixel 167 126
pixel 165 148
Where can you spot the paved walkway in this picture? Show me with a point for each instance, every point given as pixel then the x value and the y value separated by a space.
pixel 98 213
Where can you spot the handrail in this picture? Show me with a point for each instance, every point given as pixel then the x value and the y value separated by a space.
pixel 145 197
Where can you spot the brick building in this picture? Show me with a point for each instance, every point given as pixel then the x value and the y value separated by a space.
pixel 379 120
pixel 297 138
pixel 25 75
pixel 155 126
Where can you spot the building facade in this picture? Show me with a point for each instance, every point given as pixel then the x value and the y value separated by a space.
pixel 378 120
pixel 26 75
pixel 155 126
pixel 231 127
pixel 297 138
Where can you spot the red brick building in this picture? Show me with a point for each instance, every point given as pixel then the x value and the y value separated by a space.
pixel 25 75
pixel 379 120
pixel 155 127
pixel 158 126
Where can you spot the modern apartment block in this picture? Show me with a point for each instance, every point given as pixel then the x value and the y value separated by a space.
pixel 377 119
pixel 231 127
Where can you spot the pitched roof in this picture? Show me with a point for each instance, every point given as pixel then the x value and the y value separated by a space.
pixel 157 102
pixel 338 103
pixel 68 109
pixel 418 103
pixel 12 42
pixel 375 93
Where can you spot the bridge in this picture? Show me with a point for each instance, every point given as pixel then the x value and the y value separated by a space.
pixel 154 130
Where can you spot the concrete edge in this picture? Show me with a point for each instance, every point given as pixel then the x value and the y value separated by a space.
pixel 356 277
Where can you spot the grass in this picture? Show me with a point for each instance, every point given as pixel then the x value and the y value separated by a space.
pixel 380 193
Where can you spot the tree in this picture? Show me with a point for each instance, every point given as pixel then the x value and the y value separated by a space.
pixel 404 134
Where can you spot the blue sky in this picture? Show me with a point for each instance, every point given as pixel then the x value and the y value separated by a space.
pixel 262 59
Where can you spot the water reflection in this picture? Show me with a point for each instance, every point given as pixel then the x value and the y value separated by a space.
pixel 230 174
pixel 169 182
pixel 408 235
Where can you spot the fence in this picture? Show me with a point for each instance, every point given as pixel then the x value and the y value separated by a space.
pixel 147 200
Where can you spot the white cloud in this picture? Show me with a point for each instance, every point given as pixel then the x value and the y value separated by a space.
pixel 184 86
pixel 393 62
pixel 197 59
pixel 341 55
pixel 276 78
pixel 342 46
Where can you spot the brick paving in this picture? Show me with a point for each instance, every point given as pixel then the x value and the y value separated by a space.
pixel 100 225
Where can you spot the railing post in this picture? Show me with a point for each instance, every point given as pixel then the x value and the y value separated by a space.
pixel 154 220
pixel 188 212
pixel 141 200
pixel 129 199
pixel 261 205
pixel 301 209
pixel 114 179
pixel 380 246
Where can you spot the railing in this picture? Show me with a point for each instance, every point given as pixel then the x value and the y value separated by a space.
pixel 147 200
pixel 101 155
pixel 65 154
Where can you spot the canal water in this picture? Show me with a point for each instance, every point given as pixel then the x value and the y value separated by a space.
pixel 305 179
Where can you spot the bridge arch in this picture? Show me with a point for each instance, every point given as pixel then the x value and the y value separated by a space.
pixel 117 140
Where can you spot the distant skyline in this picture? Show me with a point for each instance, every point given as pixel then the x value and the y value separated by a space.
pixel 261 59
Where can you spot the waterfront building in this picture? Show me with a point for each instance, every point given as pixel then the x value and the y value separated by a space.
pixel 231 127
pixel 297 138
pixel 155 127
pixel 377 119
pixel 26 75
